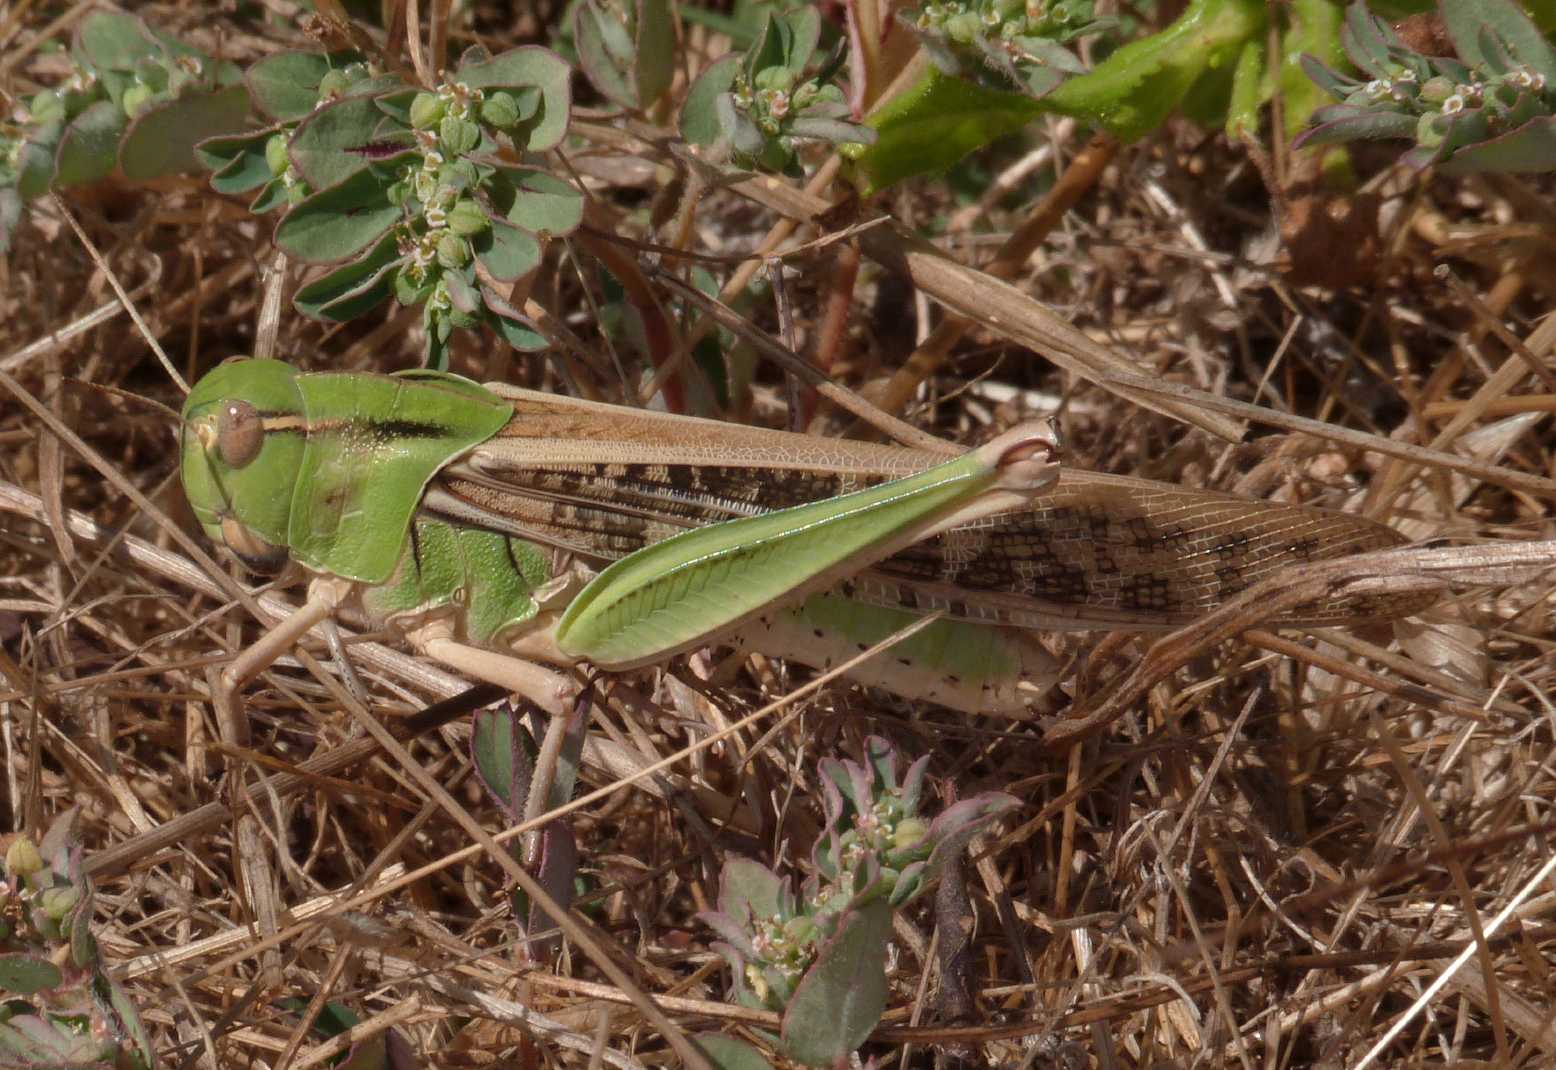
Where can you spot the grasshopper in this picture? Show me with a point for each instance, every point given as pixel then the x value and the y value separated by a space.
pixel 476 521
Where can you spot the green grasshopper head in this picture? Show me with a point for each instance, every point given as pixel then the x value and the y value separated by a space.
pixel 242 449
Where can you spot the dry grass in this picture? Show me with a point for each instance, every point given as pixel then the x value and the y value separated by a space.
pixel 1274 847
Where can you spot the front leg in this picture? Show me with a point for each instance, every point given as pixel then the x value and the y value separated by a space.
pixel 325 595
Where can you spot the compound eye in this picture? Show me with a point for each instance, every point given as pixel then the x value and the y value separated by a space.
pixel 239 433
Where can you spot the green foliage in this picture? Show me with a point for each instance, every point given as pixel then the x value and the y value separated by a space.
pixel 757 106
pixel 628 54
pixel 135 100
pixel 61 1008
pixel 1129 94
pixel 819 956
pixel 407 190
pixel 1490 109
pixel 1020 41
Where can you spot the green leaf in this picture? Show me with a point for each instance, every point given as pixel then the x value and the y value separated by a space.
pixel 161 140
pixel 935 124
pixel 511 325
pixel 1314 36
pixel 111 41
pixel 1366 40
pixel 502 759
pixel 1467 20
pixel 594 34
pixel 804 24
pixel 700 122
pixel 130 1024
pixel 272 195
pixel 544 204
pixel 26 975
pixel 340 139
pixel 338 222
pixel 655 51
pixel 506 252
pixel 349 291
pixel 286 85
pixel 529 66
pixel 35 159
pixel 730 1053
pixel 748 889
pixel 1531 149
pixel 237 163
pixel 1340 123
pixel 841 997
pixel 89 147
pixel 1137 87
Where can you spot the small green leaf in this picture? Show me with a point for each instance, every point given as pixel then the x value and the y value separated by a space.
pixel 1339 123
pixel 26 975
pixel 506 252
pixel 804 24
pixel 1531 149
pixel 130 1022
pixel 700 122
pixel 511 325
pixel 502 759
pixel 1366 39
pixel 272 195
pixel 594 33
pixel 338 222
pixel 89 147
pixel 286 85
pixel 111 41
pixel 841 997
pixel 1467 20
pixel 161 140
pixel 349 291
pixel 35 159
pixel 749 889
pixel 529 66
pixel 655 50
pixel 237 163
pixel 545 204
pixel 730 1053
pixel 935 124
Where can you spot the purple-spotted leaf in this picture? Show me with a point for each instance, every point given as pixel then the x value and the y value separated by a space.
pixel 341 139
